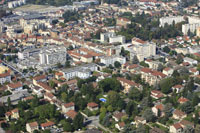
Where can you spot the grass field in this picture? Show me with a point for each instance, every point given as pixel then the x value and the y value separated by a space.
pixel 31 7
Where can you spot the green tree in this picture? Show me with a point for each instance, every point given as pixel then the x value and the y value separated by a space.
pixel 131 108
pixel 168 109
pixel 166 49
pixel 78 121
pixel 146 102
pixel 166 85
pixel 9 103
pixel 142 63
pixel 135 94
pixel 135 60
pixel 52 84
pixel 68 127
pixel 110 84
pixel 148 115
pixel 179 59
pixel 187 107
pixel 188 129
pixel 117 64
pixel 64 96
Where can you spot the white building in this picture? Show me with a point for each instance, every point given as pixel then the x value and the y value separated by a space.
pixel 169 20
pixel 104 37
pixel 116 39
pixel 190 60
pixel 53 55
pixel 142 49
pixel 193 24
pixel 82 72
pixel 110 60
pixel 16 3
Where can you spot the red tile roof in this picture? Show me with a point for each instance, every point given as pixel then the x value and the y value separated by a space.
pixel 47 124
pixel 15 85
pixel 39 77
pixel 92 105
pixel 67 105
pixel 71 113
pixel 182 100
pixel 33 124
pixel 177 125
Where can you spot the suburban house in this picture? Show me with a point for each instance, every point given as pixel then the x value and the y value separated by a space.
pixel 168 71
pixel 15 86
pixel 13 114
pixel 5 77
pixel 185 123
pixel 127 84
pixel 177 88
pixel 67 107
pixel 41 78
pixel 139 120
pixel 118 115
pixel 178 114
pixel 46 87
pixel 158 108
pixel 182 100
pixel 92 106
pixel 71 114
pixel 47 125
pixel 156 94
pixel 156 130
pixel 175 128
pixel 120 126
pixel 194 71
pixel 30 127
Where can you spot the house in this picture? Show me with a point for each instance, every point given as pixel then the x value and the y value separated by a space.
pixel 45 87
pixel 30 127
pixel 71 114
pixel 15 86
pixel 156 130
pixel 127 84
pixel 49 96
pixel 185 123
pixel 40 78
pixel 156 94
pixel 158 108
pixel 168 71
pixel 13 114
pixel 47 125
pixel 194 71
pixel 92 106
pixel 139 120
pixel 190 60
pixel 5 77
pixel 118 115
pixel 68 106
pixel 120 126
pixel 178 114
pixel 177 88
pixel 176 128
pixel 182 100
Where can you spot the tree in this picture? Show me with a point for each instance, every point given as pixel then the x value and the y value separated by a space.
pixel 166 49
pixel 67 127
pixel 117 64
pixel 110 84
pixel 64 96
pixel 166 85
pixel 179 59
pixel 9 103
pixel 168 109
pixel 131 108
pixel 195 100
pixel 135 94
pixel 187 107
pixel 196 118
pixel 188 129
pixel 148 115
pixel 135 60
pixel 142 63
pixel 160 67
pixel 52 84
pixel 67 64
pixel 146 102
pixel 115 100
pixel 78 121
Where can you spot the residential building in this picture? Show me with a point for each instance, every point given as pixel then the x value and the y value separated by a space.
pixel 139 120
pixel 110 60
pixel 170 20
pixel 15 86
pixel 178 114
pixel 40 78
pixel 176 128
pixel 47 125
pixel 92 106
pixel 13 114
pixel 71 114
pixel 30 127
pixel 123 22
pixel 120 126
pixel 67 107
pixel 118 115
pixel 5 77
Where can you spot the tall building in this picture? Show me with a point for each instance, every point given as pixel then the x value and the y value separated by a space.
pixel 170 20
pixel 193 24
pixel 198 32
pixel 142 49
pixel 53 55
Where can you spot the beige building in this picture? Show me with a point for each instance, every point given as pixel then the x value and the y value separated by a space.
pixel 198 32
pixel 67 107
pixel 30 127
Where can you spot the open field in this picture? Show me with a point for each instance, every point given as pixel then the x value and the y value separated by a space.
pixel 32 8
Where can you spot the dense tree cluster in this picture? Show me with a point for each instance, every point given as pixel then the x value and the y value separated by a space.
pixel 147 28
pixel 71 16
pixel 51 2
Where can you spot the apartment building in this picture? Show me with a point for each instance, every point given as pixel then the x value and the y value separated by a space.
pixel 170 20
pixel 110 60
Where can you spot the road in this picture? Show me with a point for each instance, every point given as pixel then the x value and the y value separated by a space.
pixel 13 68
pixel 94 121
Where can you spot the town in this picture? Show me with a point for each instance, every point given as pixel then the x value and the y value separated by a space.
pixel 100 66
